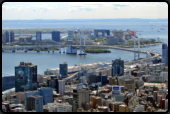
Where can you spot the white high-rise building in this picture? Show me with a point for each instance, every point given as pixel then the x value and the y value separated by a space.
pixel 61 84
pixel 70 35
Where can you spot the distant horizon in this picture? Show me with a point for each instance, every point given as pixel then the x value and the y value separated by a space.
pixel 86 19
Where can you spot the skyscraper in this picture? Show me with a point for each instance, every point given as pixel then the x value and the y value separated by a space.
pixel 12 36
pixel 25 77
pixel 70 35
pixel 56 36
pixel 3 39
pixel 61 87
pixel 165 54
pixel 117 67
pixel 35 103
pixel 7 36
pixel 38 36
pixel 63 69
pixel 79 97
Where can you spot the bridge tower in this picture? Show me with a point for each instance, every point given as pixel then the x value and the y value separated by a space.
pixel 133 34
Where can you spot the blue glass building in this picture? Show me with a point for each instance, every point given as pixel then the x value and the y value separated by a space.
pixel 56 36
pixel 117 67
pixel 165 54
pixel 25 77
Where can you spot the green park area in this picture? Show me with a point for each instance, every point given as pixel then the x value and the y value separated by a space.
pixel 93 50
pixel 99 40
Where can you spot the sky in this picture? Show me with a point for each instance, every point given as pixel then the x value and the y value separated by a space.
pixel 83 10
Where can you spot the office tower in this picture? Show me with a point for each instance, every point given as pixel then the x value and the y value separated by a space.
pixel 3 39
pixel 61 87
pixel 29 39
pixel 35 103
pixel 92 79
pixel 38 36
pixel 104 80
pixel 70 35
pixel 129 83
pixel 82 80
pixel 56 36
pixel 45 92
pixel 7 36
pixel 117 67
pixel 118 34
pixel 165 54
pixel 63 69
pixel 25 77
pixel 79 97
pixel 12 36
pixel 111 81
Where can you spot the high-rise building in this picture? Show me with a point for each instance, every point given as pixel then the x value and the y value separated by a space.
pixel 56 36
pixel 79 97
pixel 92 79
pixel 35 103
pixel 38 36
pixel 3 39
pixel 61 87
pixel 118 34
pixel 70 35
pixel 7 36
pixel 12 36
pixel 25 77
pixel 165 54
pixel 117 67
pixel 63 69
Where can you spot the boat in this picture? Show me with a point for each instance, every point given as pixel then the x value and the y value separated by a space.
pixel 159 30
pixel 83 53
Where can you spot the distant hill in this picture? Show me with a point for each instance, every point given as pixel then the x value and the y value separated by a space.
pixel 79 20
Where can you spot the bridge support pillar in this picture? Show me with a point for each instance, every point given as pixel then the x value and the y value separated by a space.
pixel 48 50
pixel 63 50
pixel 38 49
pixel 25 50
pixel 13 50
pixel 60 50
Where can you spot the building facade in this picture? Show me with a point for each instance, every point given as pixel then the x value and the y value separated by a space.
pixel 25 77
pixel 3 39
pixel 35 103
pixel 118 34
pixel 63 69
pixel 7 36
pixel 79 97
pixel 56 36
pixel 38 36
pixel 165 54
pixel 61 87
pixel 117 67
pixel 12 36
pixel 70 35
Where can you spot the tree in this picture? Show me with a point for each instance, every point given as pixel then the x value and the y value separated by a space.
pixel 46 85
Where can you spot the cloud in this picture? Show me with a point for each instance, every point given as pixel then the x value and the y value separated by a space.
pixel 42 8
pixel 120 4
pixel 18 7
pixel 88 6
